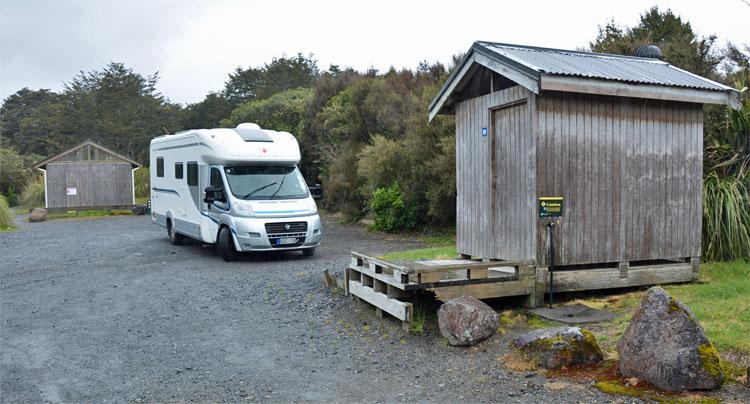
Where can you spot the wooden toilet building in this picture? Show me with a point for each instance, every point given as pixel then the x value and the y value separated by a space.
pixel 608 148
pixel 575 171
pixel 88 176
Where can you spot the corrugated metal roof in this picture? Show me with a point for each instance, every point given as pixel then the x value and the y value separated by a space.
pixel 628 69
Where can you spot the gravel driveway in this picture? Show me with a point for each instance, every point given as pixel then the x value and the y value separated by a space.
pixel 106 309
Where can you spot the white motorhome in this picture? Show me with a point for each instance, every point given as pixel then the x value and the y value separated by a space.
pixel 237 188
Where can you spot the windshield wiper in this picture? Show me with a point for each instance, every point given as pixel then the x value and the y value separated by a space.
pixel 279 188
pixel 259 189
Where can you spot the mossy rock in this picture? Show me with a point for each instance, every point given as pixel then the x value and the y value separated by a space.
pixel 665 345
pixel 555 348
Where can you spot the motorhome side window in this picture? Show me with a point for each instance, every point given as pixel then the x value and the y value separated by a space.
pixel 160 166
pixel 192 173
pixel 178 171
pixel 216 181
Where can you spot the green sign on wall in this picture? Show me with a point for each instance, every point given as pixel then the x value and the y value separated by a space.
pixel 551 206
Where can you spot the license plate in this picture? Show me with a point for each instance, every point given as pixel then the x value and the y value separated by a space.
pixel 287 240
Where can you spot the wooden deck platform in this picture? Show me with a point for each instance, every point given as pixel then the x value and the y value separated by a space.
pixel 387 285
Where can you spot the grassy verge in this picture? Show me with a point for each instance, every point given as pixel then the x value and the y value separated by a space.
pixel 87 213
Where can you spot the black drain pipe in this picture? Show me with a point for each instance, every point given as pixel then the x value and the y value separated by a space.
pixel 551 263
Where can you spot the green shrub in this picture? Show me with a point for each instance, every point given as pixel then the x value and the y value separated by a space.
pixel 382 163
pixel 6 220
pixel 726 218
pixel 13 173
pixel 33 192
pixel 390 212
pixel 142 182
pixel 12 197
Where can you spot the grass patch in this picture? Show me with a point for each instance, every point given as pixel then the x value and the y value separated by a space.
pixel 440 245
pixel 420 318
pixel 142 200
pixel 88 213
pixel 721 302
pixel 423 254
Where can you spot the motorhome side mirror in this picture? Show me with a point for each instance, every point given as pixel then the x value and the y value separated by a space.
pixel 316 191
pixel 214 194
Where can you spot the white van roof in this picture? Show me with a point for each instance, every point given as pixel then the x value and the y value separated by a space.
pixel 245 144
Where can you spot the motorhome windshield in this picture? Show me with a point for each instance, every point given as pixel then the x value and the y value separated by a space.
pixel 266 182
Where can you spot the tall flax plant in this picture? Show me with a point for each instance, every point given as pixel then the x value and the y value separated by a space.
pixel 726 218
pixel 726 188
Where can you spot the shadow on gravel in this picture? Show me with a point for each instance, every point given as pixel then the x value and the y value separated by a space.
pixel 208 250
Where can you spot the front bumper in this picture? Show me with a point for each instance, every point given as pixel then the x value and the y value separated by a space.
pixel 251 235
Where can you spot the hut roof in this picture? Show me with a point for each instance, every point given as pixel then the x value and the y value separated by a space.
pixel 539 69
pixel 42 164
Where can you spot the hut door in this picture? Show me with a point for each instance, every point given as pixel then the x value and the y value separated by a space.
pixel 511 177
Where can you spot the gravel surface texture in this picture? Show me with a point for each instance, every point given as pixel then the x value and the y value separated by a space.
pixel 105 310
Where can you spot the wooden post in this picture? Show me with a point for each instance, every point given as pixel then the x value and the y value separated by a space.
pixel 536 298
pixel 623 266
pixel 406 324
pixel 346 281
pixel 695 262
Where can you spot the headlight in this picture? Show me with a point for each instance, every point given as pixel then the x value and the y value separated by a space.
pixel 243 208
pixel 311 206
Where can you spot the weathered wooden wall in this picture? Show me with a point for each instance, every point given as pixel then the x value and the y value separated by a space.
pixel 503 179
pixel 97 184
pixel 630 171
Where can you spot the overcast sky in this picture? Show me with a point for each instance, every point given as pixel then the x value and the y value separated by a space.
pixel 195 44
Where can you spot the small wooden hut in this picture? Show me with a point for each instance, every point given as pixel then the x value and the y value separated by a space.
pixel 88 176
pixel 606 148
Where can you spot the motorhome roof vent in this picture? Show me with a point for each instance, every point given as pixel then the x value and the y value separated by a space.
pixel 248 125
pixel 251 132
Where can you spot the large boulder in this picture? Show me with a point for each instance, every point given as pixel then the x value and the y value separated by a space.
pixel 38 215
pixel 558 347
pixel 665 345
pixel 466 320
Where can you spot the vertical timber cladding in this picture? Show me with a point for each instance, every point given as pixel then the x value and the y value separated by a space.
pixel 96 184
pixel 630 171
pixel 495 211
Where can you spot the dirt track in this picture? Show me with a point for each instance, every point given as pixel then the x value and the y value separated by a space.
pixel 107 310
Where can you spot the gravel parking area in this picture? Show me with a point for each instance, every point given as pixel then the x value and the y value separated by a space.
pixel 107 310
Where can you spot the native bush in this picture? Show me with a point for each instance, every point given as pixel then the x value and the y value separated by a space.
pixel 6 220
pixel 342 184
pixel 13 174
pixel 390 212
pixel 381 163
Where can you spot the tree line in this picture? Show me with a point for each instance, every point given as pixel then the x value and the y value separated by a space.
pixel 364 135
